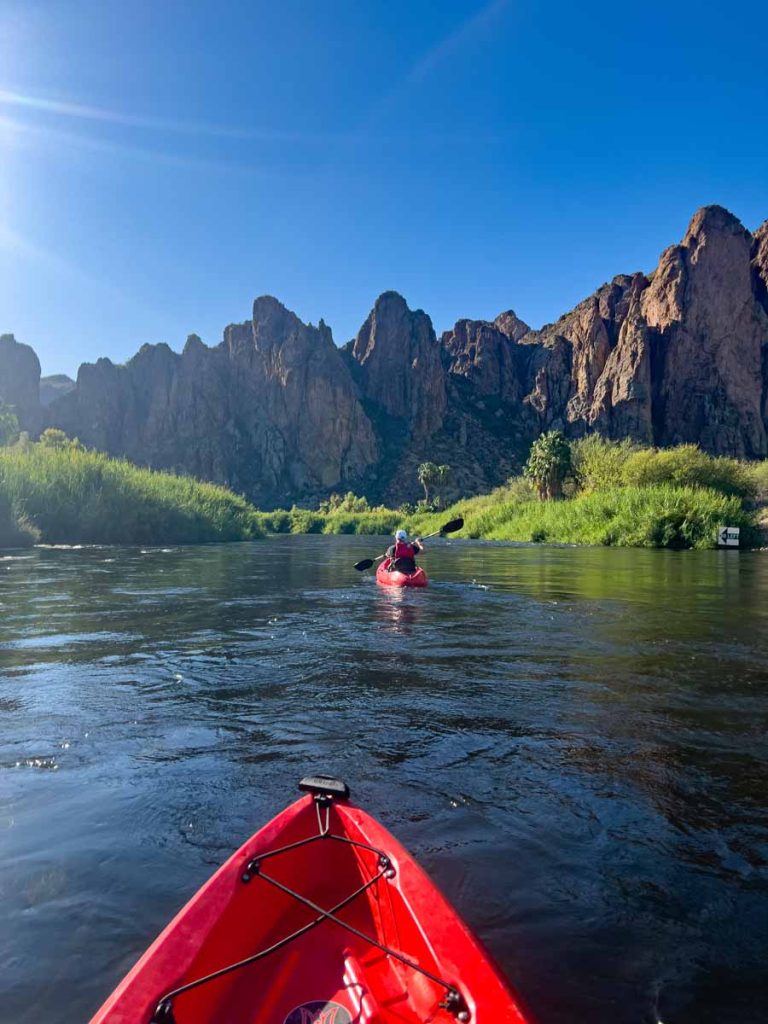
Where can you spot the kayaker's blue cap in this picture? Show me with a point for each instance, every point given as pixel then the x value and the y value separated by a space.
pixel 401 535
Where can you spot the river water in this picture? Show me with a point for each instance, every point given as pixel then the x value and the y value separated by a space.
pixel 571 741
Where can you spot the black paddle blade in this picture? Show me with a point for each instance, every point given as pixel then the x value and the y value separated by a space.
pixel 365 564
pixel 453 526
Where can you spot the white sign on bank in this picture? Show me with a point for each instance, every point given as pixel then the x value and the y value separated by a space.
pixel 728 536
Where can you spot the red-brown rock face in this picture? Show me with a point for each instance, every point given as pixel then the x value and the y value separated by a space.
pixel 486 357
pixel 760 264
pixel 400 367
pixel 760 288
pixel 675 357
pixel 591 331
pixel 271 411
pixel 509 323
pixel 710 332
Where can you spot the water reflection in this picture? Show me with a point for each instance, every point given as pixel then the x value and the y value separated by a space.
pixel 572 741
pixel 397 610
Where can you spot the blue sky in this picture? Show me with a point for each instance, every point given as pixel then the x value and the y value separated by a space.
pixel 162 163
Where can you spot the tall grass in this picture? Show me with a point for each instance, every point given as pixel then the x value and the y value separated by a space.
pixel 601 464
pixel 758 472
pixel 660 515
pixel 663 515
pixel 623 495
pixel 14 532
pixel 75 496
pixel 299 520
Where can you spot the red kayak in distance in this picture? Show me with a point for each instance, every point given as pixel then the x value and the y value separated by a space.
pixel 385 578
pixel 322 917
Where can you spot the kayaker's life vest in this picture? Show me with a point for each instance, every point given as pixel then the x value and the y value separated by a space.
pixel 404 550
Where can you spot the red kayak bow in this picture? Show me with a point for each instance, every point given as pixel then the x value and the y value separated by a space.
pixel 320 918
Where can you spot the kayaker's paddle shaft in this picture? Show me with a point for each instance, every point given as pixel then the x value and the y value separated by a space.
pixel 379 943
pixel 451 527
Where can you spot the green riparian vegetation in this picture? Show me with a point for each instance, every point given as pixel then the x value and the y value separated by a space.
pixel 57 492
pixel 590 491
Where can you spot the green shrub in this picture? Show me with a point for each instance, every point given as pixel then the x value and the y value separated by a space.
pixel 379 521
pixel 274 522
pixel 519 488
pixel 687 466
pixel 74 496
pixel 758 474
pixel 599 463
pixel 341 524
pixel 55 438
pixel 660 516
pixel 348 502
pixel 305 521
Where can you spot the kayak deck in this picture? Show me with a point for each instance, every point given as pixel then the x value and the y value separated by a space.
pixel 320 918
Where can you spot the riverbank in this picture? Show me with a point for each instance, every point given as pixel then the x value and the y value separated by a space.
pixel 68 495
pixel 660 516
pixel 55 491
pixel 619 495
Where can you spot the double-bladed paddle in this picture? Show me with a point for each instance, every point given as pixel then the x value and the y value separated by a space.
pixel 452 527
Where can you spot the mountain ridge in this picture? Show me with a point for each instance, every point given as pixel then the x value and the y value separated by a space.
pixel 277 411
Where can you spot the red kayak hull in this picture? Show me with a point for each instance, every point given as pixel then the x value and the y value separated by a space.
pixel 327 975
pixel 385 578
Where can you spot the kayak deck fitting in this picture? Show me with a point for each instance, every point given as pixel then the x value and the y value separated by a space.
pixel 320 918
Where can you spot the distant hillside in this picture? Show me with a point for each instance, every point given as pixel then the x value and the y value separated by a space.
pixel 55 386
pixel 279 413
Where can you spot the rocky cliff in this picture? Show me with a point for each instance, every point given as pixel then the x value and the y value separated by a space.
pixel 20 382
pixel 272 410
pixel 397 362
pixel 277 411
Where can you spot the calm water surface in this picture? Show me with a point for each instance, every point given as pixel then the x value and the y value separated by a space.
pixel 573 743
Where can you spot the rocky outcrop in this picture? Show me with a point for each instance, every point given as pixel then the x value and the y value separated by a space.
pixel 55 386
pixel 710 330
pixel 621 400
pixel 509 323
pixel 760 287
pixel 583 379
pixel 399 365
pixel 20 382
pixel 487 358
pixel 678 356
pixel 307 419
pixel 278 412
pixel 272 411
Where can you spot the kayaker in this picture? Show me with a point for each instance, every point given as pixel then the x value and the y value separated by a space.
pixel 402 553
